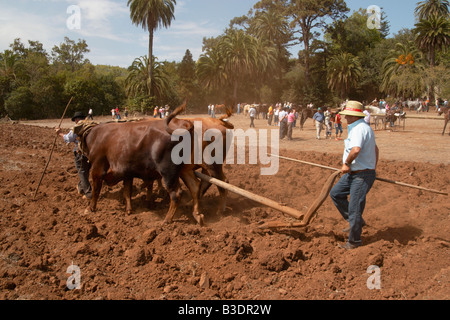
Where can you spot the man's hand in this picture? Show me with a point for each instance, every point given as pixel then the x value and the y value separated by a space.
pixel 345 169
pixel 354 153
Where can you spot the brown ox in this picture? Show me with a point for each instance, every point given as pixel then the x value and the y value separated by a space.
pixel 445 111
pixel 123 151
pixel 215 170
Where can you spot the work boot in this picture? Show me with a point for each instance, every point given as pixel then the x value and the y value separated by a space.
pixel 348 246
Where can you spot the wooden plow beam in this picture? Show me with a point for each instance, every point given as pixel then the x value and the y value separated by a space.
pixel 265 201
pixel 306 219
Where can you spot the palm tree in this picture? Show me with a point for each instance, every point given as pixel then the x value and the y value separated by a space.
pixel 433 34
pixel 138 82
pixel 402 71
pixel 236 56
pixel 244 56
pixel 344 70
pixel 8 64
pixel 151 15
pixel 210 69
pixel 429 8
pixel 274 28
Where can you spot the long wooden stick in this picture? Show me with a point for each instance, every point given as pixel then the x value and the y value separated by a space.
pixel 53 148
pixel 377 178
pixel 267 202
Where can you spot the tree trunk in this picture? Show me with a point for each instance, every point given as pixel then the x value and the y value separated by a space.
pixel 235 90
pixel 306 60
pixel 432 64
pixel 150 57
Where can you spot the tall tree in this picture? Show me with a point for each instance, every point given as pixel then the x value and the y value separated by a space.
pixel 311 14
pixel 244 56
pixel 211 69
pixel 70 54
pixel 151 15
pixel 233 58
pixel 433 34
pixel 187 77
pixel 273 27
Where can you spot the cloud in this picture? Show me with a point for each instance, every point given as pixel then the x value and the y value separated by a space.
pixel 98 18
pixel 17 23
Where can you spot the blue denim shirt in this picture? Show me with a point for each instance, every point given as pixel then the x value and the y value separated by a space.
pixel 361 135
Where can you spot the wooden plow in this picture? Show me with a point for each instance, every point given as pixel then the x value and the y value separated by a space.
pixel 305 219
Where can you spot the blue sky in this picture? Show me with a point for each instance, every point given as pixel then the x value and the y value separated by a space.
pixel 114 40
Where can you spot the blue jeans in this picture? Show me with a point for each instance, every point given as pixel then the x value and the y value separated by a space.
pixel 357 186
pixel 83 166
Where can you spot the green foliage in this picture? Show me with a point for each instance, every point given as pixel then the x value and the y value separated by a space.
pixel 429 8
pixel 19 104
pixel 32 87
pixel 70 54
pixel 433 34
pixel 236 58
pixel 344 71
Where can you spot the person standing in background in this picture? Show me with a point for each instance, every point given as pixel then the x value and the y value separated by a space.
pixel 319 118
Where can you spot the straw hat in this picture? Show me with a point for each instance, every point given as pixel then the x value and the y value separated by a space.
pixel 353 108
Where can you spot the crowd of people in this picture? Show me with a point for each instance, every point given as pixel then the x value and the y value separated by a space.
pixel 115 113
pixel 418 105
pixel 285 116
pixel 211 110
pixel 161 112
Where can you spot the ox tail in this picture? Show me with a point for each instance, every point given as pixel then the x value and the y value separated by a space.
pixel 175 113
pixel 229 113
pixel 229 103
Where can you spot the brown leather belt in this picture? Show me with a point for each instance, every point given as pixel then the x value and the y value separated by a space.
pixel 355 172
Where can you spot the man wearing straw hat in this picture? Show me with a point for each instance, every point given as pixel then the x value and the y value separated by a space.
pixel 359 163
